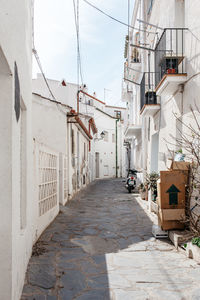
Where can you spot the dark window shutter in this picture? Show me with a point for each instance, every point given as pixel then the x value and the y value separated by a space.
pixel 17 94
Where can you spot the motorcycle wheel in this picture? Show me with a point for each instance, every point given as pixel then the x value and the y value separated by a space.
pixel 129 189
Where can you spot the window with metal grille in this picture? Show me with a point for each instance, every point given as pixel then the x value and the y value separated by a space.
pixel 48 181
pixel 118 114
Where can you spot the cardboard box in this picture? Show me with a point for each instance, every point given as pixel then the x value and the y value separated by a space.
pixel 172 214
pixel 182 166
pixel 158 199
pixel 169 225
pixel 172 190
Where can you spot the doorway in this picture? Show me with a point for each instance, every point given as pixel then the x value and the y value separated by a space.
pixel 154 152
pixel 97 164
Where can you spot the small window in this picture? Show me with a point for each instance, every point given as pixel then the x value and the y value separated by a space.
pixel 118 114
pixel 149 6
pixel 113 138
pixel 84 152
pixel 72 141
pixel 105 136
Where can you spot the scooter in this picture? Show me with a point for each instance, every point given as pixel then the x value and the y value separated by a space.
pixel 131 180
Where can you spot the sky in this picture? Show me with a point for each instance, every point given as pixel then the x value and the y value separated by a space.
pixel 102 43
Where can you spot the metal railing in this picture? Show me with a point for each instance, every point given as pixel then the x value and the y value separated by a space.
pixel 135 56
pixel 147 89
pixel 169 53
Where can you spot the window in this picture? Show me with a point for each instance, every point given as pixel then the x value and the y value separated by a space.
pixel 105 136
pixel 135 55
pixel 113 138
pixel 84 157
pixel 149 6
pixel 118 114
pixel 72 141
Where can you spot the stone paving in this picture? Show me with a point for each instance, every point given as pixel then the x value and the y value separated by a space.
pixel 100 247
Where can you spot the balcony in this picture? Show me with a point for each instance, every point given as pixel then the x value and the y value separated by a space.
pixel 133 131
pixel 126 92
pixel 148 96
pixel 135 56
pixel 170 66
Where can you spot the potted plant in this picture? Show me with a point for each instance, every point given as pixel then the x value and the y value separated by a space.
pixel 196 241
pixel 179 156
pixel 142 191
pixel 151 181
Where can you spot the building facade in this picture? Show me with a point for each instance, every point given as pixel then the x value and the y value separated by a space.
pixel 105 145
pixel 161 83
pixel 16 221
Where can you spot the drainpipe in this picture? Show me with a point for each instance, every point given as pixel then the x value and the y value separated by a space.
pixel 78 101
pixel 116 150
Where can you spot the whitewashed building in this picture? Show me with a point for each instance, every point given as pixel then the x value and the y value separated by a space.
pixel 50 159
pixel 16 199
pixel 161 79
pixel 59 128
pixel 106 153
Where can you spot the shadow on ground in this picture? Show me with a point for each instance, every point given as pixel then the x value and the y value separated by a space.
pixel 101 220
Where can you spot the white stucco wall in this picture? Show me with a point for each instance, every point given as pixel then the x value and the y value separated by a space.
pixel 50 124
pixel 50 129
pixel 15 248
pixel 65 94
pixel 178 13
pixel 106 149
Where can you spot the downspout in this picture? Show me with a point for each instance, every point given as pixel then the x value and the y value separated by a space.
pixel 116 150
pixel 78 101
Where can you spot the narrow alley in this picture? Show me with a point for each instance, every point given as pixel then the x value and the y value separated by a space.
pixel 101 247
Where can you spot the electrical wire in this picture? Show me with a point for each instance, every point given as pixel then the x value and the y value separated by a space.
pixel 43 75
pixel 79 63
pixel 114 19
pixel 59 106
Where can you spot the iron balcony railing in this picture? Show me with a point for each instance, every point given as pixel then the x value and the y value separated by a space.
pixel 147 89
pixel 169 53
pixel 135 56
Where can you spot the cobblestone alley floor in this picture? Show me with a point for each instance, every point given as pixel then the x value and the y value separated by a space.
pixel 101 247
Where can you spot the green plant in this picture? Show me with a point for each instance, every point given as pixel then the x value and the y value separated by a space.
pixel 151 181
pixel 179 151
pixel 196 241
pixel 142 187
